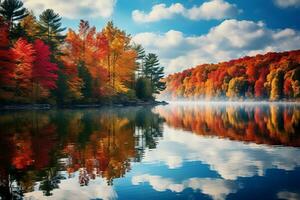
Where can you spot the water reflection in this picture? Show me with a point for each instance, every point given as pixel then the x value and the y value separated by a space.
pixel 216 188
pixel 230 159
pixel 195 151
pixel 275 124
pixel 40 146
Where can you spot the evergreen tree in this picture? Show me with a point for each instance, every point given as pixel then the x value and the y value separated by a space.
pixel 50 31
pixel 140 51
pixel 50 28
pixel 61 92
pixel 154 73
pixel 12 10
pixel 151 62
pixel 17 32
pixel 143 88
pixel 85 76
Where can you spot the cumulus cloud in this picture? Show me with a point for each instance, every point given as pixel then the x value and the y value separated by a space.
pixel 230 39
pixel 74 9
pixel 218 189
pixel 224 156
pixel 158 12
pixel 214 9
pixel 287 3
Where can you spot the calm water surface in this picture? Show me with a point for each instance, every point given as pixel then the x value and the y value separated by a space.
pixel 179 151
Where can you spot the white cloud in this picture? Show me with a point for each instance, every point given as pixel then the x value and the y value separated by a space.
pixel 158 12
pixel 218 189
pixel 287 3
pixel 171 39
pixel 214 9
pixel 74 9
pixel 228 40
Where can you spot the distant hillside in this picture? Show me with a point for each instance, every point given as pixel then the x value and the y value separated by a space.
pixel 273 76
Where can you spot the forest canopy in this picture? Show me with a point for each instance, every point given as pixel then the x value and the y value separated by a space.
pixel 273 76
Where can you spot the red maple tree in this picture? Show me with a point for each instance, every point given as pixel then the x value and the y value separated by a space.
pixel 44 71
pixel 6 61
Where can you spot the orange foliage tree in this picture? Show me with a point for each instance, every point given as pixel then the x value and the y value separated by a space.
pixel 24 56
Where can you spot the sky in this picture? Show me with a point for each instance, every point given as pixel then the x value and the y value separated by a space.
pixel 186 33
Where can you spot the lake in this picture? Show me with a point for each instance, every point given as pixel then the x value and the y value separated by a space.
pixel 180 151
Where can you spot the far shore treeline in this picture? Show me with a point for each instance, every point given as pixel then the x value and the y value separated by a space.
pixel 273 76
pixel 43 62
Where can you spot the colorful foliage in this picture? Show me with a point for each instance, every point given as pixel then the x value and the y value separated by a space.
pixel 24 56
pixel 43 71
pixel 6 59
pixel 268 76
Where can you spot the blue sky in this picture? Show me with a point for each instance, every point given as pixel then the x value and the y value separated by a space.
pixel 185 33
pixel 255 10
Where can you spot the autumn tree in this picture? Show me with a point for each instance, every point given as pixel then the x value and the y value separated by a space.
pixel 277 85
pixel 30 26
pixel 24 56
pixel 6 61
pixel 271 76
pixel 84 51
pixel 70 70
pixel 237 87
pixel 296 82
pixel 120 72
pixel 288 88
pixel 259 89
pixel 44 72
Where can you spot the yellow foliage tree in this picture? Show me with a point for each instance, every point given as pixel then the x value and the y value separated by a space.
pixel 237 87
pixel 121 59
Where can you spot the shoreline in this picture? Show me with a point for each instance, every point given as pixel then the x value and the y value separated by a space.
pixel 79 106
pixel 233 102
pixel 7 107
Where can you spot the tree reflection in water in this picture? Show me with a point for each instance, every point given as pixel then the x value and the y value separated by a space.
pixel 43 147
pixel 40 146
pixel 274 124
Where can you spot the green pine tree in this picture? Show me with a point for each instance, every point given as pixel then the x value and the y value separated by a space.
pixel 140 58
pixel 86 77
pixel 11 11
pixel 50 29
pixel 143 88
pixel 154 72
